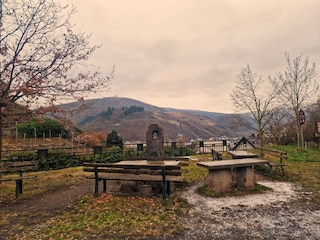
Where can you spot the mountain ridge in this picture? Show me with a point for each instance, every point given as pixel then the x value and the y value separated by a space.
pixel 108 114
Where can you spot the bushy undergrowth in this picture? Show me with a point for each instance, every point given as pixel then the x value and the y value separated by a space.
pixel 178 151
pixel 58 159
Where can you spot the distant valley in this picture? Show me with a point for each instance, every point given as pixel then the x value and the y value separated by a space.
pixel 130 118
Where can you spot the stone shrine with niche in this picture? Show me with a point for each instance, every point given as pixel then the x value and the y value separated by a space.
pixel 155 139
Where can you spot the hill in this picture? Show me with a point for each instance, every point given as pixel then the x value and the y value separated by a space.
pixel 131 118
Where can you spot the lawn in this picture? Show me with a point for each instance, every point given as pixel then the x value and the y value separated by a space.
pixel 126 216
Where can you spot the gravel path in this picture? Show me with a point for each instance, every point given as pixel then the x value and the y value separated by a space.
pixel 284 213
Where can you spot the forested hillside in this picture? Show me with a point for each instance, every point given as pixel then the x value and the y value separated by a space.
pixel 131 118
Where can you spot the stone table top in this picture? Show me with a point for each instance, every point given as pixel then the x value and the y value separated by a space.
pixel 149 163
pixel 224 164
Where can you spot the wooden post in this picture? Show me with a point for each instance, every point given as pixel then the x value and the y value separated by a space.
pixel 104 185
pixel 164 185
pixel 96 185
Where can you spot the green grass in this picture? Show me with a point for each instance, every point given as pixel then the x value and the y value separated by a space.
pixel 109 217
pixel 300 154
pixel 120 216
pixel 45 181
pixel 205 191
pixel 302 166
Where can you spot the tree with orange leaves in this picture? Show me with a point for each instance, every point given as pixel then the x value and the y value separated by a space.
pixel 41 57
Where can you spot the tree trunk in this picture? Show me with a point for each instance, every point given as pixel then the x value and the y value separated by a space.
pixel 299 135
pixel 0 137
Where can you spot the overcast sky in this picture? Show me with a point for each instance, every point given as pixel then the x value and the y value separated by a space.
pixel 187 54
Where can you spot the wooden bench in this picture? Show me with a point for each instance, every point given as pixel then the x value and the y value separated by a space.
pixel 141 171
pixel 17 167
pixel 280 156
pixel 215 155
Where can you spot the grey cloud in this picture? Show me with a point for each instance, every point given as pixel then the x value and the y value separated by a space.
pixel 190 52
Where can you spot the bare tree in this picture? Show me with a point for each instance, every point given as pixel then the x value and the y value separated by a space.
pixel 298 87
pixel 249 98
pixel 276 128
pixel 42 57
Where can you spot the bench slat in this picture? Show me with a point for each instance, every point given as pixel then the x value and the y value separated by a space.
pixel 129 166
pixel 16 178
pixel 134 177
pixel 15 167
pixel 177 172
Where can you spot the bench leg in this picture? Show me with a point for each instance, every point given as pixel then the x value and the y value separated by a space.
pixel 275 170
pixel 96 182
pixel 164 184
pixel 164 191
pixel 96 188
pixel 104 185
pixel 282 169
pixel 18 187
pixel 271 171
pixel 168 188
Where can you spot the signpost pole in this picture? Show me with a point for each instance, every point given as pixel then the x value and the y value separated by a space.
pixel 302 120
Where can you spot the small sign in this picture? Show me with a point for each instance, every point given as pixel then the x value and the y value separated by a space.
pixel 224 142
pixel 97 149
pixel 302 117
pixel 318 127
pixel 139 147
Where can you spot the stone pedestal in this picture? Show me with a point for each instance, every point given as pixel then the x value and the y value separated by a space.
pixel 220 181
pixel 113 185
pixel 245 178
pixel 145 189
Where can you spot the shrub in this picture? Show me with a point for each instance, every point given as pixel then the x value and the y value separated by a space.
pixel 23 155
pixel 59 159
pixel 40 127
pixel 179 151
pixel 114 139
pixel 114 154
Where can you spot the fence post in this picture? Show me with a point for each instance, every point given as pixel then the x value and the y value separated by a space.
pixel 164 184
pixel 96 185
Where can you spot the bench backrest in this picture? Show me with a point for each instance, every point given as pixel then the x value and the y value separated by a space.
pixel 215 155
pixel 7 166
pixel 275 153
pixel 129 169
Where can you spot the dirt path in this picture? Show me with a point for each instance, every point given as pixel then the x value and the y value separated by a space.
pixel 34 210
pixel 50 201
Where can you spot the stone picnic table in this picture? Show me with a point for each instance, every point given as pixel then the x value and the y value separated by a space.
pixel 224 174
pixel 242 154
